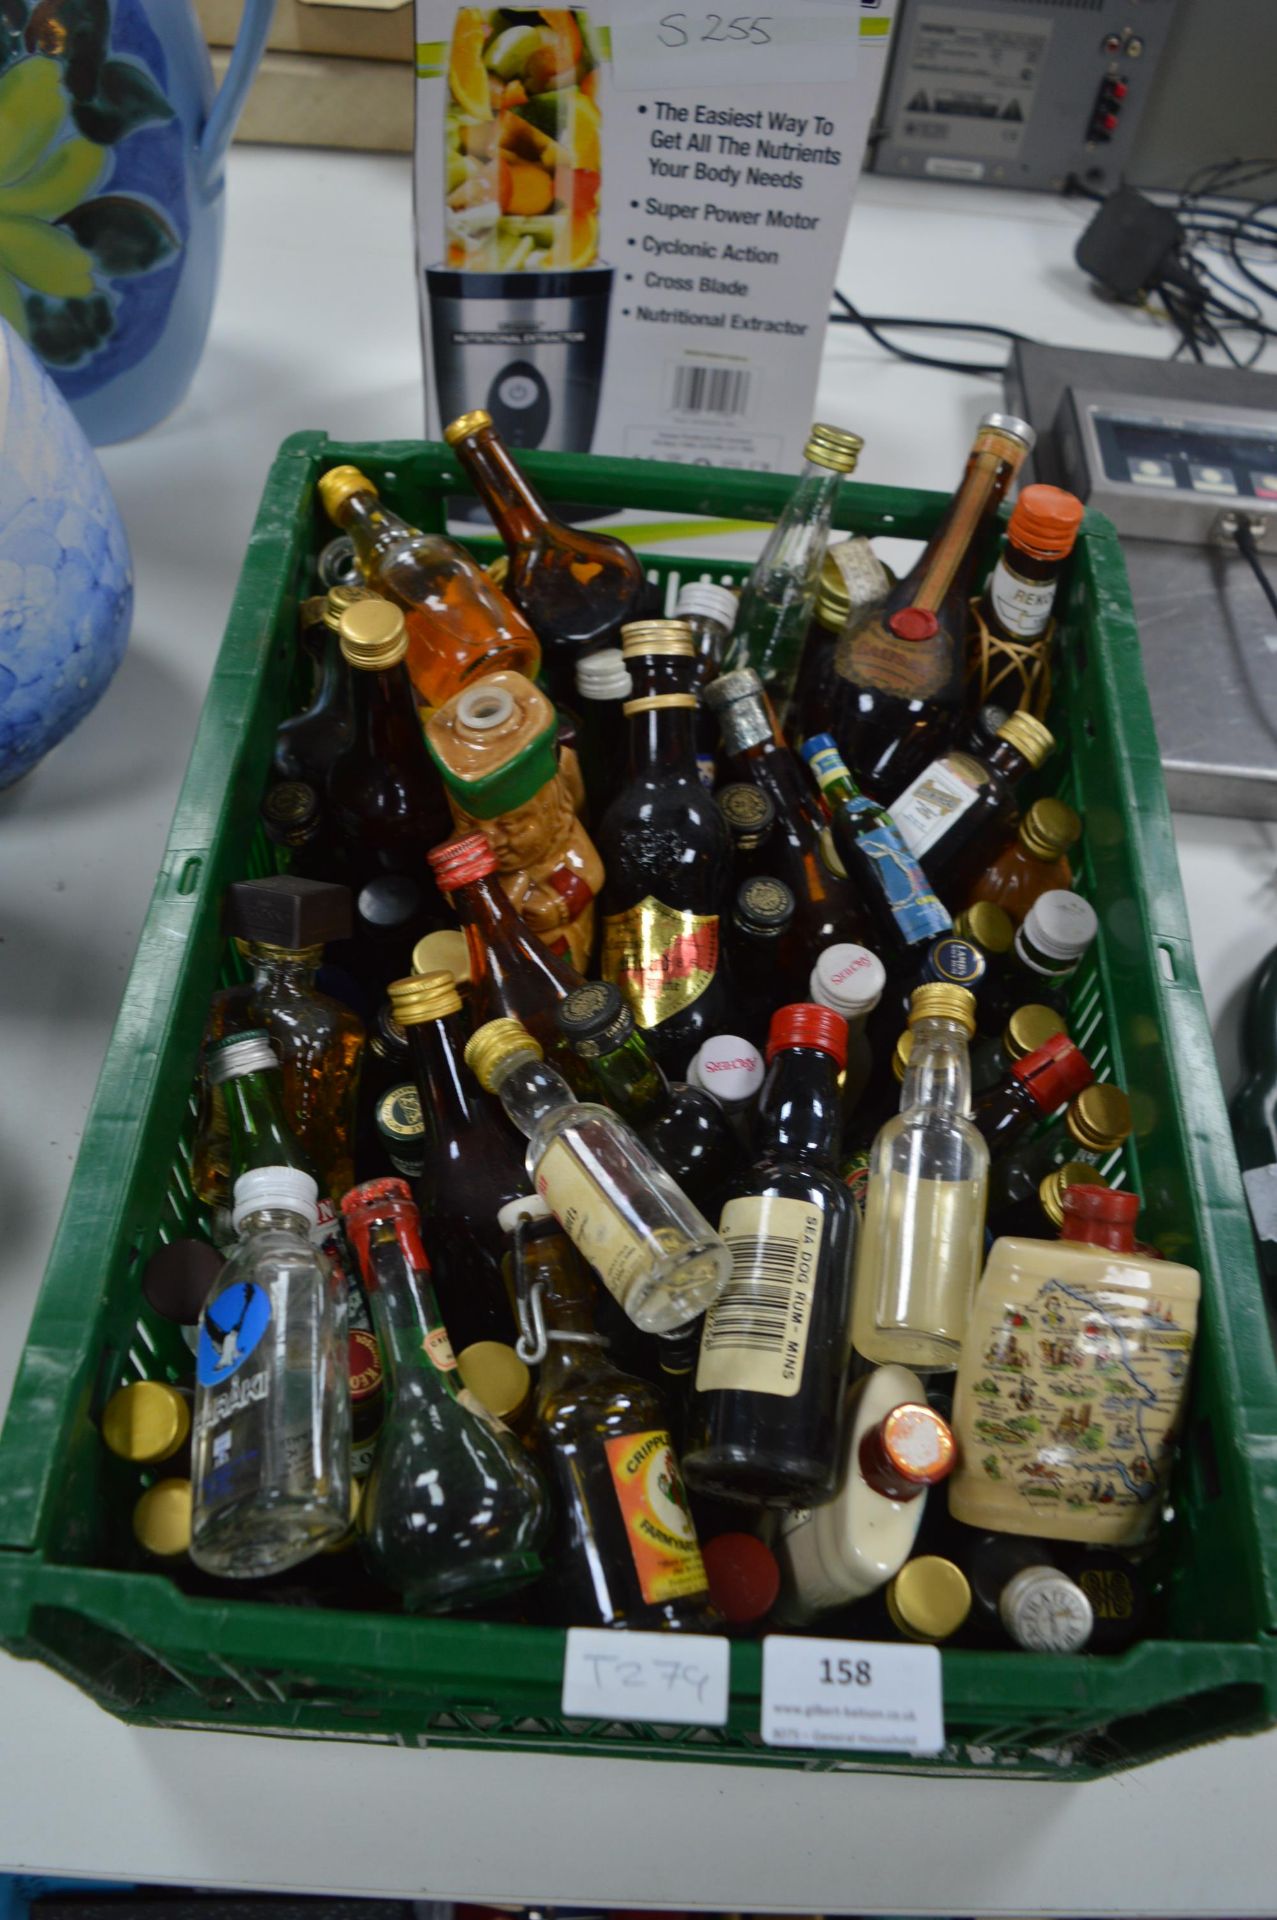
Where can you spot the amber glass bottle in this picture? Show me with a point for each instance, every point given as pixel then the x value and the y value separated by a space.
pixel 575 588
pixel 1036 862
pixel 460 625
pixel 892 685
pixel 666 851
pixel 626 1553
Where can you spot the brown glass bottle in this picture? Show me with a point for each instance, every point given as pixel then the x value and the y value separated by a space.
pixel 472 1163
pixel 513 974
pixel 307 744
pixel 625 1554
pixel 1041 534
pixel 953 816
pixel 460 624
pixel 1036 862
pixel 576 589
pixel 892 685
pixel 1031 1091
pixel 828 908
pixel 666 851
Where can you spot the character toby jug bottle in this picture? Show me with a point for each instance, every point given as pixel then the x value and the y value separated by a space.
pixel 1072 1380
pixel 495 744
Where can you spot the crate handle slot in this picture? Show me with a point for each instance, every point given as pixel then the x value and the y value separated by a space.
pixel 1166 961
pixel 189 878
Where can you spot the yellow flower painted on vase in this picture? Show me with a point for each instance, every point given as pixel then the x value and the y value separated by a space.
pixel 43 176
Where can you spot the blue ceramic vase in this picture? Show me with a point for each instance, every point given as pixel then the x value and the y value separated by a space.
pixel 66 582
pixel 112 195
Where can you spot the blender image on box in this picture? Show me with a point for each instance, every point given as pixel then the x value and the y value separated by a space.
pixel 519 310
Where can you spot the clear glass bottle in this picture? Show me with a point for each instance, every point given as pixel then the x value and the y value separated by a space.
pixel 460 625
pixel 776 601
pixel 454 1512
pixel 922 1242
pixel 657 1256
pixel 271 1457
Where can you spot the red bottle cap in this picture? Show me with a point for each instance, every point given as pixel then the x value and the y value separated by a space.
pixel 913 623
pixel 1101 1216
pixel 1054 1072
pixel 807 1025
pixel 375 1193
pixel 910 1450
pixel 457 862
pixel 743 1575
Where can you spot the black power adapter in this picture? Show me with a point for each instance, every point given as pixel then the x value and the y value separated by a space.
pixel 1132 246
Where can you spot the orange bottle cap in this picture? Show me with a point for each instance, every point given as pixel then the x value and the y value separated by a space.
pixel 1045 522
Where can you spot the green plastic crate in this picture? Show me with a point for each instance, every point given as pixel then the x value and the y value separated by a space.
pixel 155 1656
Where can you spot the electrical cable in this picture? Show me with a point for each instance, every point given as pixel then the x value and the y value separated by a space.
pixel 1246 544
pixel 872 324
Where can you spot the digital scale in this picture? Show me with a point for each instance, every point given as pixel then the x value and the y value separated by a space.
pixel 1175 455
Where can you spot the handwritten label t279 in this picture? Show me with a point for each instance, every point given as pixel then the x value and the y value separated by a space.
pixel 864 1696
pixel 681 1678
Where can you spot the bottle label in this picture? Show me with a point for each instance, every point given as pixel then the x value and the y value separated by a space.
pixel 661 959
pixel 755 1338
pixel 925 811
pixel 915 908
pixel 233 1327
pixel 658 1520
pixel 438 1350
pixel 827 765
pixel 591 1219
pixel 1023 607
pixel 914 669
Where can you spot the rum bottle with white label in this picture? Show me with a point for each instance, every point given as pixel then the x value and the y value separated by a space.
pixel 625 1552
pixel 667 853
pixel 767 1414
pixel 656 1255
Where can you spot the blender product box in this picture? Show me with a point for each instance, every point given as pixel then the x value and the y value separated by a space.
pixel 629 218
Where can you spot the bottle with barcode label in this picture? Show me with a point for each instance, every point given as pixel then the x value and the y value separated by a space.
pixel 767 1413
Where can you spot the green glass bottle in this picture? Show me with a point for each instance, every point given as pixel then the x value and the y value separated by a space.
pixel 244 1070
pixel 454 1512
pixel 1253 1112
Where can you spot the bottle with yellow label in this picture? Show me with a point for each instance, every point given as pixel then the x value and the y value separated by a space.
pixel 666 851
pixel 656 1255
pixel 625 1553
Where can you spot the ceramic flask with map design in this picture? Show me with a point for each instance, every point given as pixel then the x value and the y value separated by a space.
pixel 1072 1381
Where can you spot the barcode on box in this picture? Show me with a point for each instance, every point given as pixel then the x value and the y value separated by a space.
pixel 722 391
pixel 755 1337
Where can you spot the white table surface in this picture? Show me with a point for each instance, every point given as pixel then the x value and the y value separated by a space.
pixel 316 326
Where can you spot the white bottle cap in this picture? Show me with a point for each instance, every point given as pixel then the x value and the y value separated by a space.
pixel 287 1189
pixel 529 1206
pixel 1046 1612
pixel 1061 925
pixel 849 979
pixel 702 596
pixel 604 676
pixel 730 1068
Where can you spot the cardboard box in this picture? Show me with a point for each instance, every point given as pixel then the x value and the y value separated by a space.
pixel 304 100
pixel 379 31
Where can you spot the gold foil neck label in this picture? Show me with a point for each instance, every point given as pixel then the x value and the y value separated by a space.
pixel 915 669
pixel 660 958
pixel 654 702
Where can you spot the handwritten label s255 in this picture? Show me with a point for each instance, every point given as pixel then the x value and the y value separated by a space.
pixel 864 1696
pixel 678 1678
pixel 658 45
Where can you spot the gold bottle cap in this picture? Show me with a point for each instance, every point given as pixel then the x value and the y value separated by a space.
pixel 338 598
pixel 1049 829
pixel 339 484
pixel 443 952
pixel 940 1001
pixel 145 1422
pixel 423 996
pixel 498 569
pixel 657 636
pixel 833 595
pixel 1029 1028
pixel 162 1519
pixel 929 1599
pixel 833 447
pixel 1028 736
pixel 1074 1173
pixel 465 424
pixel 988 925
pixel 1099 1118
pixel 494 1374
pixel 493 1044
pixel 373 634
pixel 901 1057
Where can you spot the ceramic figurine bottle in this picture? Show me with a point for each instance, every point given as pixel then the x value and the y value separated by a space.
pixel 1072 1380
pixel 495 744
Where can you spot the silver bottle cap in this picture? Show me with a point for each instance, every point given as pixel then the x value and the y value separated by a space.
pixel 736 701
pixel 713 602
pixel 1046 1612
pixel 240 1053
pixel 1011 423
pixel 280 1189
pixel 730 1068
pixel 1060 924
pixel 604 676
pixel 849 979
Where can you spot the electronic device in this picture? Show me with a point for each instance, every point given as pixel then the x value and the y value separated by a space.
pixel 1020 93
pixel 1171 453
